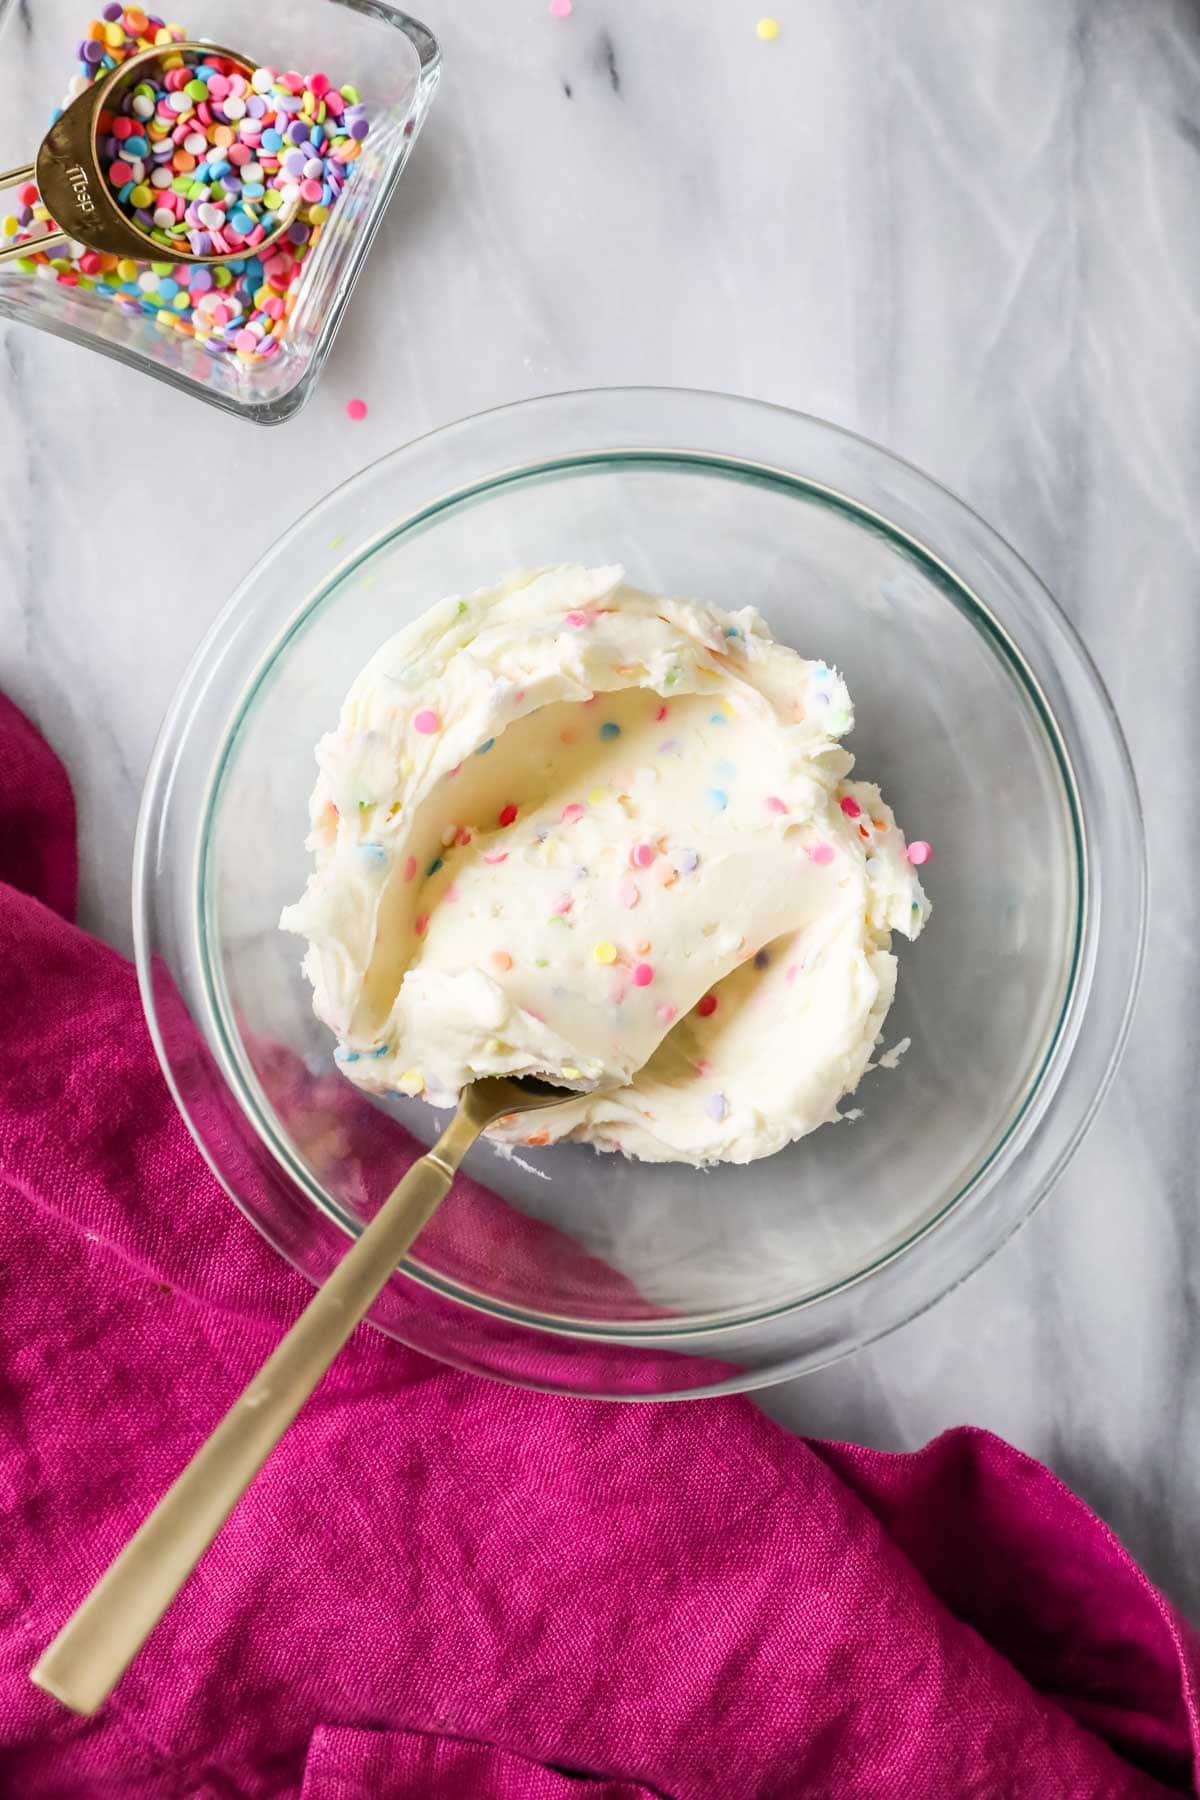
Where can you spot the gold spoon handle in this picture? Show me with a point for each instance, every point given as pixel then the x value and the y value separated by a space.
pixel 100 1639
pixel 9 179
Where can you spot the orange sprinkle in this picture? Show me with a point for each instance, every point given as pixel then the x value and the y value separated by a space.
pixel 537 1138
pixel 502 961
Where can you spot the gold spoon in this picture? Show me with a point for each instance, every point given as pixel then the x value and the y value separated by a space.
pixel 74 187
pixel 101 1638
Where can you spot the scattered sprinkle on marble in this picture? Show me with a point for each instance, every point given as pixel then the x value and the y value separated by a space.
pixel 822 853
pixel 577 620
pixel 643 975
pixel 427 722
pixel 689 861
pixel 630 894
pixel 642 855
pixel 775 804
pixel 605 952
pixel 563 904
pixel 501 961
pixel 665 1013
pixel 571 814
pixel 356 410
pixel 919 852
pixel 717 798
pixel 850 806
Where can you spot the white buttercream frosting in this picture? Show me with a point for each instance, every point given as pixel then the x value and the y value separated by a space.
pixel 568 828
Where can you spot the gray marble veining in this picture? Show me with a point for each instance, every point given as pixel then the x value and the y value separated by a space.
pixel 966 230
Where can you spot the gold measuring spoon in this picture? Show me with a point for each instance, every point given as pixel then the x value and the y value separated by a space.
pixel 74 187
pixel 102 1637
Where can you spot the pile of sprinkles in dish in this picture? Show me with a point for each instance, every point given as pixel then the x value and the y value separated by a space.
pixel 204 158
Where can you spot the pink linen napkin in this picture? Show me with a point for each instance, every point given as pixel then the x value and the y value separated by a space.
pixel 441 1587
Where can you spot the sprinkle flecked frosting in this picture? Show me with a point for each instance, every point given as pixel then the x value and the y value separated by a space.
pixel 205 158
pixel 569 828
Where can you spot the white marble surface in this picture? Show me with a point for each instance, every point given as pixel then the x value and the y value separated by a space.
pixel 963 228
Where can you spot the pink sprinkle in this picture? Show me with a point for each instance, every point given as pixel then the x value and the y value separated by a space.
pixel 562 905
pixel 791 974
pixel 577 619
pixel 666 1014
pixel 410 868
pixel 451 893
pixel 642 855
pixel 571 815
pixel 629 894
pixel 356 409
pixel 463 835
pixel 427 722
pixel 775 804
pixel 507 815
pixel 822 853
pixel 919 852
pixel 643 975
pixel 850 807
pixel 561 9
pixel 661 714
pixel 497 857
pixel 421 924
pixel 245 340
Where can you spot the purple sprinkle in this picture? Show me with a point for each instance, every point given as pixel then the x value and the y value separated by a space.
pixel 294 161
pixel 689 861
pixel 716 1106
pixel 92 51
pixel 762 958
pixel 359 129
pixel 112 12
pixel 24 215
pixel 297 132
pixel 201 281
pixel 256 106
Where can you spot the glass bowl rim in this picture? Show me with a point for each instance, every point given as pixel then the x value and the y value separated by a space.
pixel 1052 1059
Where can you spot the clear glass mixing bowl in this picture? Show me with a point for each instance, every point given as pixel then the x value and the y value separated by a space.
pixel 980 715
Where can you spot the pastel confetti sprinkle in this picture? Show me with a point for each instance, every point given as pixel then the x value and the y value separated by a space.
pixel 562 905
pixel 642 855
pixel 410 867
pixel 689 861
pixel 597 795
pixel 434 866
pixel 666 1014
pixel 762 959
pixel 427 722
pixel 421 924
pixel 767 30
pixel 561 9
pixel 508 814
pixel 605 952
pixel 822 853
pixel 610 729
pixel 577 620
pixel 485 747
pixel 717 719
pixel 571 815
pixel 356 410
pixel 568 735
pixel 708 1006
pixel 919 852
pixel 630 894
pixel 717 798
pixel 496 856
pixel 661 714
pixel 850 806
pixel 717 1107
pixel 775 804
pixel 412 1083
pixel 501 961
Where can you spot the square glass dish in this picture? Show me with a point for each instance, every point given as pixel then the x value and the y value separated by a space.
pixel 391 58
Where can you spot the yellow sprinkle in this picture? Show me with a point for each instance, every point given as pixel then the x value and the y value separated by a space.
pixel 728 710
pixel 10 226
pixel 114 37
pixel 605 952
pixel 767 29
pixel 411 1082
pixel 127 270
pixel 597 795
pixel 573 1074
